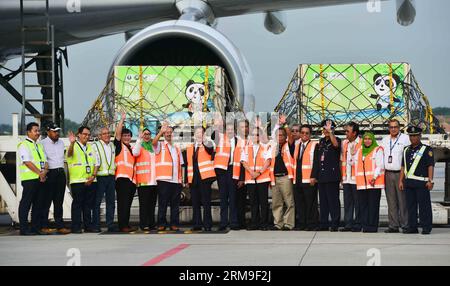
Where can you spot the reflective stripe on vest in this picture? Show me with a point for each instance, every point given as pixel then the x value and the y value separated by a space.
pixel 205 164
pixel 287 159
pixel 307 161
pixel 365 169
pixel 146 168
pixel 409 174
pixel 344 158
pixel 125 164
pixel 105 169
pixel 260 161
pixel 223 153
pixel 38 156
pixel 164 164
pixel 77 164
pixel 240 145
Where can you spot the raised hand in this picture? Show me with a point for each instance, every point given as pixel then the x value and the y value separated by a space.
pixel 282 119
pixel 328 126
pixel 123 115
pixel 72 137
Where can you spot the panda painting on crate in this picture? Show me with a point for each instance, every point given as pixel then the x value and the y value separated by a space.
pixel 384 88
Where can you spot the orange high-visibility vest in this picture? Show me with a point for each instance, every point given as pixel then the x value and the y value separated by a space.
pixel 240 145
pixel 287 159
pixel 164 164
pixel 260 161
pixel 146 168
pixel 205 163
pixel 125 164
pixel 344 158
pixel 365 168
pixel 307 161
pixel 223 153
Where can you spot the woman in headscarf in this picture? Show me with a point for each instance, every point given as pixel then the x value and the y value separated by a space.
pixel 370 181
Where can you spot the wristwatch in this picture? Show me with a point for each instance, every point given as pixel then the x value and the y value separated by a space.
pixel 430 181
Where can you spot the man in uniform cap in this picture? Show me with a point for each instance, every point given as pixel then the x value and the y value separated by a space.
pixel 416 179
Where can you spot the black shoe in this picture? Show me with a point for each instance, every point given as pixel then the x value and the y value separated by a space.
pixel 313 228
pixel 369 231
pixel 391 230
pixel 235 228
pixel 93 230
pixel 263 228
pixel 356 230
pixel 113 229
pixel 324 229
pixel 299 228
pixel 208 229
pixel 196 228
pixel 345 229
pixel 222 228
pixel 410 231
pixel 334 229
pixel 77 231
pixel 425 232
pixel 28 233
pixel 274 228
pixel 252 228
pixel 285 228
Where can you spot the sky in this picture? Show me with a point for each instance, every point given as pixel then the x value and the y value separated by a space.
pixel 338 34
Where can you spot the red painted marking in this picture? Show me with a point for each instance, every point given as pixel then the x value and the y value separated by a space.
pixel 165 255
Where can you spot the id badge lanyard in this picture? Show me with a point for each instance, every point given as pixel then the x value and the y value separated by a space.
pixel 88 168
pixel 391 147
pixel 41 162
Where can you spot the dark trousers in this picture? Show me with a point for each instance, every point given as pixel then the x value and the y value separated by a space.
pixel 369 202
pixel 351 207
pixel 147 204
pixel 169 194
pixel 259 203
pixel 30 200
pixel 306 206
pixel 227 191
pixel 419 197
pixel 241 205
pixel 125 190
pixel 201 196
pixel 54 190
pixel 82 205
pixel 330 206
pixel 106 187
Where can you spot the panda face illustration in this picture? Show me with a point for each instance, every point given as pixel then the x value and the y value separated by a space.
pixel 195 92
pixel 382 84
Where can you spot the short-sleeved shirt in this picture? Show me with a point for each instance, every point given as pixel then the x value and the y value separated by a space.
pixel 393 147
pixel 54 150
pixel 25 153
pixel 422 168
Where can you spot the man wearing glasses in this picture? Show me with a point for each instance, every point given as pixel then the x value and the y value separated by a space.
pixel 393 145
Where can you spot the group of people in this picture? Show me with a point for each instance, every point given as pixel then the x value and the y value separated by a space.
pixel 297 170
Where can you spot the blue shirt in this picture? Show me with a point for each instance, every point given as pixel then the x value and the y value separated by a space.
pixel 422 168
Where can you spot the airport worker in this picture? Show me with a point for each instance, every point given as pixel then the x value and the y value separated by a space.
pixel 169 160
pixel 306 204
pixel 83 166
pixel 327 173
pixel 146 179
pixel 223 164
pixel 393 145
pixel 200 175
pixel 239 172
pixel 55 185
pixel 106 181
pixel 256 159
pixel 416 180
pixel 283 207
pixel 350 147
pixel 369 181
pixel 33 173
pixel 125 175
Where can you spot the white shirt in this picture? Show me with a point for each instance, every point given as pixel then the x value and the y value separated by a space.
pixel 175 160
pixel 351 158
pixel 233 146
pixel 397 147
pixel 54 152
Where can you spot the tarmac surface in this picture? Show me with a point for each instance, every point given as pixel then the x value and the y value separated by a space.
pixel 235 248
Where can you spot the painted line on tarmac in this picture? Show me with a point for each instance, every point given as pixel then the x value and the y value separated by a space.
pixel 165 255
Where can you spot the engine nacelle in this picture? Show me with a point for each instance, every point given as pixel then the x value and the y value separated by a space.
pixel 406 12
pixel 188 43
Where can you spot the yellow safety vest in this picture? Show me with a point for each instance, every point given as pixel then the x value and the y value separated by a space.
pixel 106 169
pixel 39 159
pixel 81 165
